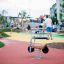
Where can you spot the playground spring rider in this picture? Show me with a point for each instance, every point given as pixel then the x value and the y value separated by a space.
pixel 34 47
pixel 39 47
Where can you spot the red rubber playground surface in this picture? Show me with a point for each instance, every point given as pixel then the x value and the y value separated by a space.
pixel 15 52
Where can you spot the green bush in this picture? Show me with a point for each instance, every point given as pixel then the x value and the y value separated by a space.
pixel 4 35
pixel 2 44
pixel 5 30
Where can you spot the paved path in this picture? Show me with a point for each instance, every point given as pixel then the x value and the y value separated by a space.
pixel 15 52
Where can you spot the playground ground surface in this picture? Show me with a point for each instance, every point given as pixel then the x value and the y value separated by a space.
pixel 15 50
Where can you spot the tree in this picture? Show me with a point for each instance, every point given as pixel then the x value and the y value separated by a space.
pixel 23 15
pixel 3 20
pixel 62 10
pixel 54 20
pixel 62 4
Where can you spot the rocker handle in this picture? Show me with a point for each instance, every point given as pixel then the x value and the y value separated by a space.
pixel 41 38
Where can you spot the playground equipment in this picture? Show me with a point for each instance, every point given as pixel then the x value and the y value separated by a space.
pixel 37 47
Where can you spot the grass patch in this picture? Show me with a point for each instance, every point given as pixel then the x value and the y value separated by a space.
pixel 2 44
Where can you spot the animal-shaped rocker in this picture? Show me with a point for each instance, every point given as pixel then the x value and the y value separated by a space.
pixel 38 47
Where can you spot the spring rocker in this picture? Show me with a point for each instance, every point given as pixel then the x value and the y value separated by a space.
pixel 37 47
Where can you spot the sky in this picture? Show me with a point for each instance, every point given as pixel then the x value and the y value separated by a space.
pixel 33 7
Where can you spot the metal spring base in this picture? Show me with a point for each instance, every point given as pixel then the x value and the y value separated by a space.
pixel 38 54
